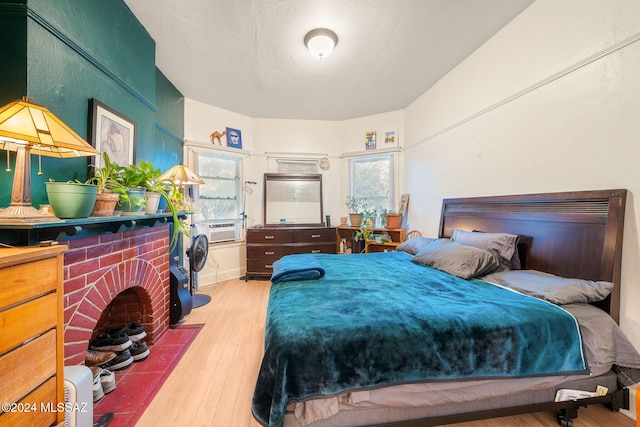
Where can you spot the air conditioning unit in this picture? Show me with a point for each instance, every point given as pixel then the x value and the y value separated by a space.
pixel 78 396
pixel 223 232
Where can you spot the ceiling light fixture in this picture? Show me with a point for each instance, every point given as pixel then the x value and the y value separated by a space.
pixel 320 42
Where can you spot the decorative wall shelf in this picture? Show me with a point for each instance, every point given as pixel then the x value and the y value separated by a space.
pixel 31 234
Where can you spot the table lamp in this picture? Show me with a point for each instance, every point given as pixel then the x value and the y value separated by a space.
pixel 23 126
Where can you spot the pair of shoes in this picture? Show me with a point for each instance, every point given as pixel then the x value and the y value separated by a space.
pixel 108 342
pixel 121 361
pixel 133 331
pixel 104 381
pixel 139 351
pixel 97 358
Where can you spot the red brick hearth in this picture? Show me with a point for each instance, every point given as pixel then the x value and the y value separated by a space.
pixel 115 278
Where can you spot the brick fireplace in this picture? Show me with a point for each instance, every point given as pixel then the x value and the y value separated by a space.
pixel 114 279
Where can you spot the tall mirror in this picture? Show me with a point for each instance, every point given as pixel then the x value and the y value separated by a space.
pixel 292 199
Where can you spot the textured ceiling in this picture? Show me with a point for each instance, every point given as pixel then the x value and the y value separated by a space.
pixel 248 56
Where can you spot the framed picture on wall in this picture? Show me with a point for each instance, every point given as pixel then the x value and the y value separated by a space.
pixel 111 133
pixel 234 138
pixel 390 137
pixel 370 140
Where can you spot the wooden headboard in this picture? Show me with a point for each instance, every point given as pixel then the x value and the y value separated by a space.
pixel 571 234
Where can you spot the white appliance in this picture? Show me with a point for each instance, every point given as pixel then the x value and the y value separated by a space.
pixel 78 396
pixel 223 232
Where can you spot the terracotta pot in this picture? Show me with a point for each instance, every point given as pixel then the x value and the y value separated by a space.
pixel 105 204
pixel 394 220
pixel 356 219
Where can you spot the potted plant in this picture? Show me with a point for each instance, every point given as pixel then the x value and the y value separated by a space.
pixel 357 206
pixel 70 200
pixel 394 219
pixel 131 188
pixel 109 189
pixel 361 237
pixel 153 187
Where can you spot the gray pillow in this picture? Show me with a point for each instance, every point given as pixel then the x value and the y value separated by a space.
pixel 456 259
pixel 502 245
pixel 413 246
pixel 552 288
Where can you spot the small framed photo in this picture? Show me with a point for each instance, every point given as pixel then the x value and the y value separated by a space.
pixel 234 138
pixel 404 203
pixel 112 133
pixel 370 140
pixel 390 138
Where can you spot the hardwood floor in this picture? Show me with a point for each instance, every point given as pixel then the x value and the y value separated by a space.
pixel 213 383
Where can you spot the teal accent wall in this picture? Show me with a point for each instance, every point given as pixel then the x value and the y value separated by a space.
pixel 62 53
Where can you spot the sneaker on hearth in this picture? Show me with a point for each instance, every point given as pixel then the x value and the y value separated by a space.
pixel 98 392
pixel 139 351
pixel 106 377
pixel 121 361
pixel 135 332
pixel 109 342
pixel 96 358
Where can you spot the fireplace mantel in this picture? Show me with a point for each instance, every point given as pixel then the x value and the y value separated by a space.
pixel 32 234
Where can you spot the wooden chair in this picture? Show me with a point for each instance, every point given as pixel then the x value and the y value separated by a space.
pixel 412 234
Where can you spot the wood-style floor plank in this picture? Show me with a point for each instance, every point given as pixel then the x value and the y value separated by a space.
pixel 213 384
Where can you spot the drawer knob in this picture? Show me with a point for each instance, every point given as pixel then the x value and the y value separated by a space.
pixel 315 251
pixel 269 253
pixel 268 266
pixel 269 237
pixel 315 236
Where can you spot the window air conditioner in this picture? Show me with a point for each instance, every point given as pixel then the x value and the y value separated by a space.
pixel 224 232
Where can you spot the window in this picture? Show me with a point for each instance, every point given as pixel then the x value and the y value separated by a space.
pixel 220 198
pixel 372 178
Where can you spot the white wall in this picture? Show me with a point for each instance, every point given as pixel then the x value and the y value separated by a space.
pixel 265 139
pixel 551 103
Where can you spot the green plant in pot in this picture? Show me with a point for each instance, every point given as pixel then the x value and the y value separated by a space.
pixel 362 236
pixel 394 219
pixel 109 188
pixel 131 188
pixel 357 206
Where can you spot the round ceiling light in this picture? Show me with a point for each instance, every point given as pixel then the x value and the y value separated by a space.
pixel 320 42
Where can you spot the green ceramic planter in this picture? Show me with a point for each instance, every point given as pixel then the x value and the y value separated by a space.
pixel 131 208
pixel 71 200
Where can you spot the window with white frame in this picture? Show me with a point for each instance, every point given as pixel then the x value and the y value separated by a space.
pixel 220 198
pixel 372 178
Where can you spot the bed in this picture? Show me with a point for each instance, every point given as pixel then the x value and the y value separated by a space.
pixel 337 350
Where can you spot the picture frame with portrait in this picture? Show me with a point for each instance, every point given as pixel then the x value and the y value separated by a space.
pixel 234 138
pixel 113 133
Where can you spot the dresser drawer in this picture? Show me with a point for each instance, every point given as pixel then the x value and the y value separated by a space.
pixel 259 266
pixel 315 248
pixel 268 252
pixel 25 281
pixel 28 366
pixel 324 235
pixel 269 236
pixel 31 319
pixel 43 395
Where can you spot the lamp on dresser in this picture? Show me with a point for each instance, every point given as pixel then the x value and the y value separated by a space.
pixel 24 126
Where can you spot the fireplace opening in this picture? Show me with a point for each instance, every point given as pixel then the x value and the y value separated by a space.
pixel 132 305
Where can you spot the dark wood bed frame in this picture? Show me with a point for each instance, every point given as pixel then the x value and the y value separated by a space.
pixel 570 234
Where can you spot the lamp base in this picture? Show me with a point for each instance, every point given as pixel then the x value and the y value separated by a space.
pixel 24 214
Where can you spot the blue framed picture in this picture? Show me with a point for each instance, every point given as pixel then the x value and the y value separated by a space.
pixel 234 138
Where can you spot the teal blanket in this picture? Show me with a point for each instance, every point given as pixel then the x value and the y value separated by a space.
pixel 296 267
pixel 379 319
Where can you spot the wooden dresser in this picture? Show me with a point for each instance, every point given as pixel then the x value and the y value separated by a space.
pixel 267 245
pixel 31 336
